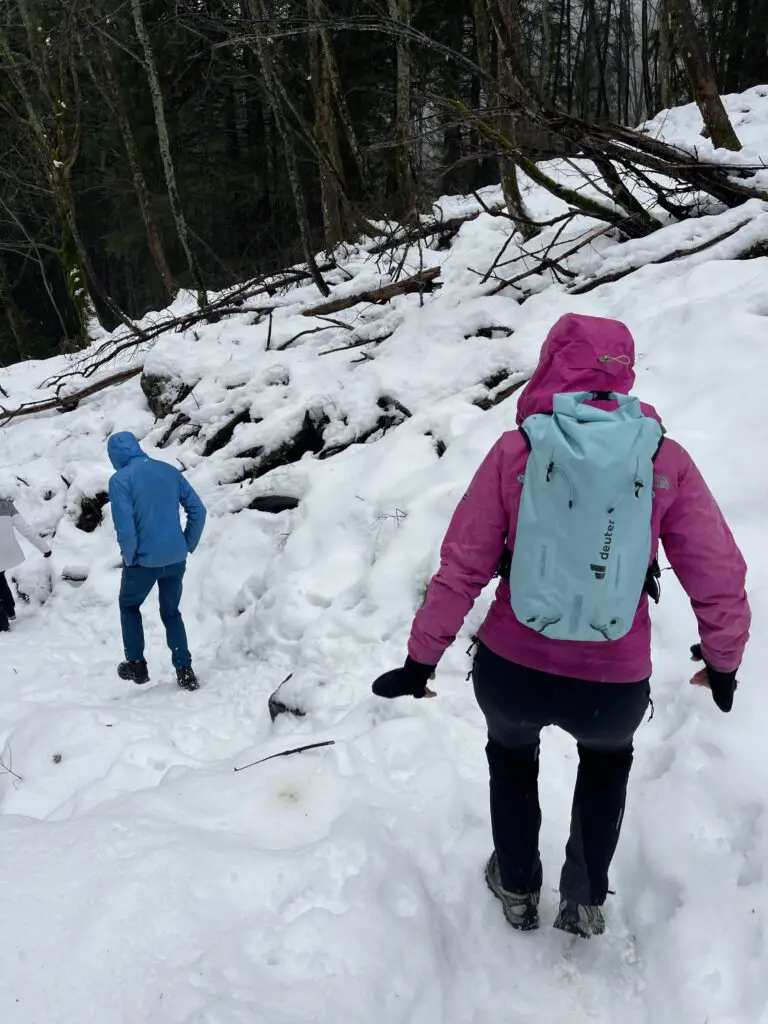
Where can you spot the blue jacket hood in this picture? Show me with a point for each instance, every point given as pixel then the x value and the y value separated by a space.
pixel 123 447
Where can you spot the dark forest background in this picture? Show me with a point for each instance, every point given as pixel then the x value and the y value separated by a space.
pixel 147 145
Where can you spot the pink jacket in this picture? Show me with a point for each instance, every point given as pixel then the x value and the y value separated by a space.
pixel 686 519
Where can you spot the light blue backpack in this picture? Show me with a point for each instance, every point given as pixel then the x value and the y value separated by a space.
pixel 583 542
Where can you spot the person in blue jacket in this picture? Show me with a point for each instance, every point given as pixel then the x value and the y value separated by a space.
pixel 145 496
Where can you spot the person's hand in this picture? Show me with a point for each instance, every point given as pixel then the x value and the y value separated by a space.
pixel 47 554
pixel 722 684
pixel 408 681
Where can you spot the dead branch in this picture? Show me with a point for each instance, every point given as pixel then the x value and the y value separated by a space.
pixel 360 343
pixel 617 275
pixel 491 401
pixel 68 402
pixel 230 304
pixel 448 228
pixel 7 769
pixel 546 263
pixel 287 753
pixel 303 334
pixel 416 283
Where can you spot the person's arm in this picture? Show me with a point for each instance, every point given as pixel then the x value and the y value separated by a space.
pixel 469 557
pixel 195 512
pixel 710 567
pixel 21 525
pixel 122 517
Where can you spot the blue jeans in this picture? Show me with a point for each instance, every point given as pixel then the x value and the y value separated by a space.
pixel 137 582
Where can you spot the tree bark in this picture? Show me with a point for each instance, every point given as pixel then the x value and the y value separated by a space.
pixel 331 199
pixel 506 23
pixel 411 200
pixel 164 143
pixel 702 77
pixel 342 107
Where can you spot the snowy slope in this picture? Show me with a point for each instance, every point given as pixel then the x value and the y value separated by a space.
pixel 143 881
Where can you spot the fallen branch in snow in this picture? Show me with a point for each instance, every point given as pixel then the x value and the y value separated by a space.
pixel 419 282
pixel 357 344
pixel 230 304
pixel 285 753
pixel 491 401
pixel 8 769
pixel 678 254
pixel 447 229
pixel 68 402
pixel 312 330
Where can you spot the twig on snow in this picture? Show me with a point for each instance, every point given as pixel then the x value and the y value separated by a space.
pixel 7 769
pixel 286 753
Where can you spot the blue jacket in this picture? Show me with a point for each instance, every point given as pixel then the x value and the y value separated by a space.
pixel 145 496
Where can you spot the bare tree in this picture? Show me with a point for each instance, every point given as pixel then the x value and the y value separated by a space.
pixel 702 77
pixel 164 143
pixel 262 47
pixel 112 93
pixel 326 135
pixel 410 195
pixel 48 115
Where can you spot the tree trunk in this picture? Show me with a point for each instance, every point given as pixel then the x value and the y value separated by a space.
pixel 56 148
pixel 258 14
pixel 665 56
pixel 13 314
pixel 331 200
pixel 165 150
pixel 139 181
pixel 410 198
pixel 547 44
pixel 342 107
pixel 507 26
pixel 701 76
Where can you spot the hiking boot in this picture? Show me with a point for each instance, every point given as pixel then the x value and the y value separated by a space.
pixel 579 919
pixel 520 909
pixel 134 671
pixel 187 679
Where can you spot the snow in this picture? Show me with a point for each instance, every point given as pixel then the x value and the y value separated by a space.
pixel 748 112
pixel 144 880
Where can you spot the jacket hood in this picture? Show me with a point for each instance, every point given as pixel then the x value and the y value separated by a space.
pixel 581 353
pixel 123 447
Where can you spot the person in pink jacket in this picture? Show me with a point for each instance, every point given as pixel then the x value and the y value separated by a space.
pixel 596 691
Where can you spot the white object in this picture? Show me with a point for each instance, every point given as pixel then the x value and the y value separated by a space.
pixel 11 523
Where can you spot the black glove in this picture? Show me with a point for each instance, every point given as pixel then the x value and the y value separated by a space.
pixel 722 684
pixel 410 680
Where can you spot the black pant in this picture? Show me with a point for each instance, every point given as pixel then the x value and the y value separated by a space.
pixel 7 603
pixel 518 703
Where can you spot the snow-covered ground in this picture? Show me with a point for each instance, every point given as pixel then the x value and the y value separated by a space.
pixel 144 882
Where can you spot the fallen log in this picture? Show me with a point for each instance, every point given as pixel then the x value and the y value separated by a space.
pixel 68 402
pixel 677 254
pixel 419 282
pixel 230 304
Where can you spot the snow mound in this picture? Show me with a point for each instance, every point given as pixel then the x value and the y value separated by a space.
pixel 144 881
